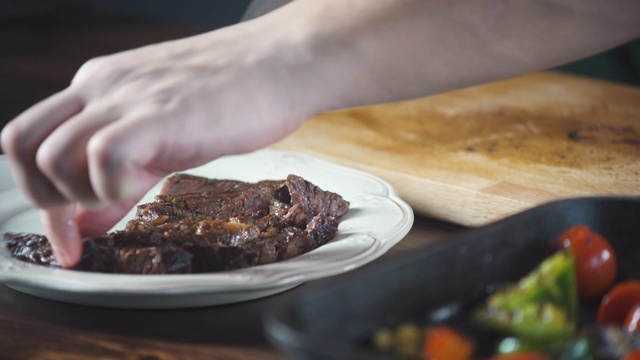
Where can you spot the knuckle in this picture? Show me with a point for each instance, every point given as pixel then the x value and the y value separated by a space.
pixel 88 70
pixel 10 139
pixel 50 163
pixel 34 185
pixel 66 173
pixel 94 68
pixel 103 165
pixel 103 154
pixel 19 142
pixel 99 150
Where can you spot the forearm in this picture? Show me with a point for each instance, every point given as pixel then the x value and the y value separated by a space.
pixel 351 53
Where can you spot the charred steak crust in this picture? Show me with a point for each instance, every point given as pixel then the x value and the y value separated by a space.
pixel 198 225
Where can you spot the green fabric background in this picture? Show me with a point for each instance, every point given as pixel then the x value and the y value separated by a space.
pixel 621 64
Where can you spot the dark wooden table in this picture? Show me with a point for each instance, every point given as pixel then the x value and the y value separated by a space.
pixel 35 328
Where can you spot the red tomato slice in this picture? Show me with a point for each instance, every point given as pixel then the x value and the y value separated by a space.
pixel 632 322
pixel 596 263
pixel 445 343
pixel 524 355
pixel 617 303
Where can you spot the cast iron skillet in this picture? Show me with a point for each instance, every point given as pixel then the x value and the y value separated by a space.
pixel 331 321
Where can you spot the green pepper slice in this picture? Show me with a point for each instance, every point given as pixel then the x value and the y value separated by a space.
pixel 542 307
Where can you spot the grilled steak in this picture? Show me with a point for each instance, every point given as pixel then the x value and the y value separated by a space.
pixel 200 225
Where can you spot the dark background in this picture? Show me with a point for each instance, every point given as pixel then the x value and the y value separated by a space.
pixel 44 42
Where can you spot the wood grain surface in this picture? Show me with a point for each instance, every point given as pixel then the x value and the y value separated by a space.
pixel 479 154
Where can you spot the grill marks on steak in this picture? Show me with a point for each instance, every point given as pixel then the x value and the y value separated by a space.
pixel 30 248
pixel 186 183
pixel 314 200
pixel 117 252
pixel 204 225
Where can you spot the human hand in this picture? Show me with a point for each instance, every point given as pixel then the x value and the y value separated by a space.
pixel 87 154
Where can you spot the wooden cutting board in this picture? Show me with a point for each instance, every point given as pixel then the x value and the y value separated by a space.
pixel 479 154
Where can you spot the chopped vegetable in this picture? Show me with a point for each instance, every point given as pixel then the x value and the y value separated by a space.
pixel 408 340
pixel 405 339
pixel 524 355
pixel 512 344
pixel 580 349
pixel 616 303
pixel 541 308
pixel 600 342
pixel 383 339
pixel 445 343
pixel 538 315
pixel 596 262
pixel 633 355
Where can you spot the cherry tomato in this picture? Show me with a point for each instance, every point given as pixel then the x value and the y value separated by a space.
pixel 633 355
pixel 596 263
pixel 632 322
pixel 617 303
pixel 525 355
pixel 445 343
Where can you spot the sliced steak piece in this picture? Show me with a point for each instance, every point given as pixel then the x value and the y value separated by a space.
pixel 31 248
pixel 251 203
pixel 315 200
pixel 117 252
pixel 167 259
pixel 204 225
pixel 186 183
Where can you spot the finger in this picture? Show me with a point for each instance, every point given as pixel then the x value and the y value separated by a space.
pixel 62 157
pixel 22 137
pixel 129 157
pixel 96 222
pixel 63 234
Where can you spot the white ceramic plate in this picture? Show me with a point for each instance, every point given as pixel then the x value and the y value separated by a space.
pixel 376 221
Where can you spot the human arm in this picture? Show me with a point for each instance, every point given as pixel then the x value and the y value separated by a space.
pixel 405 49
pixel 131 118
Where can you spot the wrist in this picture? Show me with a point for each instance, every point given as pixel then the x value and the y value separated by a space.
pixel 340 54
pixel 312 59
